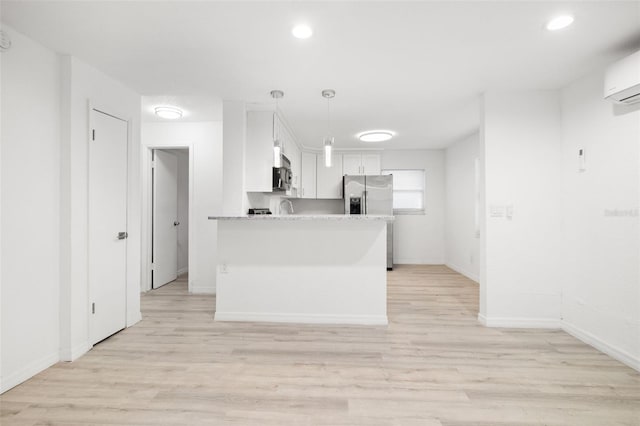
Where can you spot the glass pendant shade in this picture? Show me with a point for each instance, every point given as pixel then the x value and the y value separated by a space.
pixel 275 127
pixel 328 94
pixel 328 148
pixel 277 153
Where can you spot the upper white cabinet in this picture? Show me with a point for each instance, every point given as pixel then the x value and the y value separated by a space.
pixel 352 164
pixel 361 164
pixel 308 176
pixel 371 164
pixel 261 128
pixel 329 178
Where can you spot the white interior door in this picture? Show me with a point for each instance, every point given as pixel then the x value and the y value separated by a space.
pixel 107 225
pixel 165 218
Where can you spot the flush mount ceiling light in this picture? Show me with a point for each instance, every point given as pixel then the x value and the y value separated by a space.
pixel 168 112
pixel 302 31
pixel 559 22
pixel 376 135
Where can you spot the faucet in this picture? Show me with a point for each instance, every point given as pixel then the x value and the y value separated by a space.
pixel 285 201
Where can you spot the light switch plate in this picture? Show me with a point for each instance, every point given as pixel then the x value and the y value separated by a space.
pixel 496 210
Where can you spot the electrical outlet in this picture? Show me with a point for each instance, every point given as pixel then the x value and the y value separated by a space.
pixel 224 269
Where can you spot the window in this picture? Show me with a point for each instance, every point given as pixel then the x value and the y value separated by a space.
pixel 408 191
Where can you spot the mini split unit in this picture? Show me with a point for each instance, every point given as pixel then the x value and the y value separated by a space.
pixel 622 80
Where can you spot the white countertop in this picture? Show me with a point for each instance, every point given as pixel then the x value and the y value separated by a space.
pixel 339 217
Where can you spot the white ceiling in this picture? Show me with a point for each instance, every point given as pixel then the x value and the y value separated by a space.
pixel 417 68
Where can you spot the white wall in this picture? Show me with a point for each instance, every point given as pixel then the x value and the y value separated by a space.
pixel 83 85
pixel 45 129
pixel 30 200
pixel 462 243
pixel 521 150
pixel 204 140
pixel 601 231
pixel 234 116
pixel 1 138
pixel 419 239
pixel 183 210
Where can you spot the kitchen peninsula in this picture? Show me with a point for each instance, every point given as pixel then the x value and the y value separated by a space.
pixel 302 268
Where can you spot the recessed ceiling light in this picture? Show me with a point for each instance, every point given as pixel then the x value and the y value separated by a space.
pixel 559 22
pixel 168 112
pixel 302 31
pixel 376 135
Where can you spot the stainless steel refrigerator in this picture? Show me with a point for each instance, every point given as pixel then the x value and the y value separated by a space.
pixel 372 194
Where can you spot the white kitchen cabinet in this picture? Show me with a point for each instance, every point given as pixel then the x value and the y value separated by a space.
pixel 361 164
pixel 352 164
pixel 261 128
pixel 308 176
pixel 329 185
pixel 371 164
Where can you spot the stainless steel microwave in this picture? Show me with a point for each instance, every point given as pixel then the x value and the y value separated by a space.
pixel 282 176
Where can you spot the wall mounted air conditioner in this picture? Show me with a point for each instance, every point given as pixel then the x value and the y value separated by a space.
pixel 622 80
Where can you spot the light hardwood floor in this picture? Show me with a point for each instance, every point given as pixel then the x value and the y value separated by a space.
pixel 433 365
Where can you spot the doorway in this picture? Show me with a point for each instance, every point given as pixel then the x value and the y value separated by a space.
pixel 169 216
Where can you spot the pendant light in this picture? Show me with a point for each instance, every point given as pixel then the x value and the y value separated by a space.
pixel 328 94
pixel 277 144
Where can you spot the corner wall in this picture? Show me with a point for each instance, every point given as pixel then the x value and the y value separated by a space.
pixel 601 229
pixel 84 86
pixel 30 200
pixel 520 271
pixel 45 131
pixel 462 242
pixel 234 117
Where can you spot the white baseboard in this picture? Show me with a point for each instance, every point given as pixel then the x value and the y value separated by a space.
pixel 418 261
pixel 134 318
pixel 463 271
pixel 514 322
pixel 592 340
pixel 75 352
pixel 183 271
pixel 302 318
pixel 202 290
pixel 27 372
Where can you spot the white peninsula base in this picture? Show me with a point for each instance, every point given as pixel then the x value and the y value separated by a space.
pixel 327 269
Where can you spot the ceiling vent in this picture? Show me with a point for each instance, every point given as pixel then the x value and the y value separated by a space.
pixel 622 80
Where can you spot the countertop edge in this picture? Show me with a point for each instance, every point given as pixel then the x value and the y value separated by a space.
pixel 294 217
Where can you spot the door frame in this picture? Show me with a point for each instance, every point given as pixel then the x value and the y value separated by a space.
pixel 147 211
pixel 104 109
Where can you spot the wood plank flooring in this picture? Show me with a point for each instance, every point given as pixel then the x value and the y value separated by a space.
pixel 433 365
